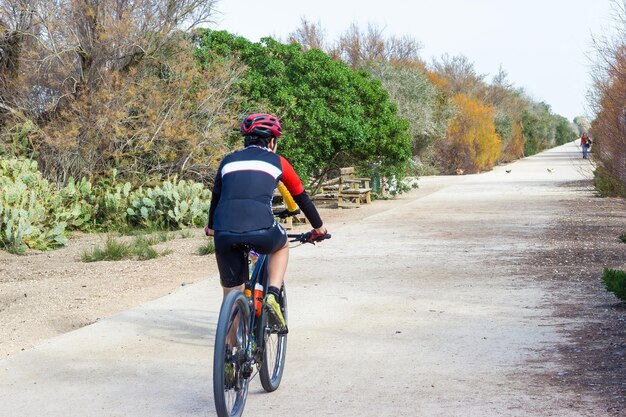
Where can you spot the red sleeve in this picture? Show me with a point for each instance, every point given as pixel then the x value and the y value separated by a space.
pixel 290 178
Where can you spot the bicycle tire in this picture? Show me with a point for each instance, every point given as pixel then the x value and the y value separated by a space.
pixel 230 391
pixel 274 350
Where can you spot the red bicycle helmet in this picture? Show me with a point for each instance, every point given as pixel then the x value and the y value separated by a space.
pixel 261 124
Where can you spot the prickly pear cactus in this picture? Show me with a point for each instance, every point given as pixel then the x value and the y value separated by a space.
pixel 36 214
pixel 26 201
pixel 174 204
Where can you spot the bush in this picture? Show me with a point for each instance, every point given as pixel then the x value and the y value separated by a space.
pixel 607 93
pixel 174 204
pixel 332 116
pixel 472 143
pixel 615 281
pixel 607 185
pixel 418 101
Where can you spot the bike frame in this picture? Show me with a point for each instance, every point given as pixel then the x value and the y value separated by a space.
pixel 259 275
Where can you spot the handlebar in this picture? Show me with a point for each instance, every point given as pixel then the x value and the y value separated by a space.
pixel 306 237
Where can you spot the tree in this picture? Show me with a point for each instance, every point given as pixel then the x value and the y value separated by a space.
pixel 472 144
pixel 309 35
pixel 161 118
pixel 360 48
pixel 564 130
pixel 583 125
pixel 510 103
pixel 395 62
pixel 536 128
pixel 608 97
pixel 418 101
pixel 332 116
pixel 460 76
pixel 77 56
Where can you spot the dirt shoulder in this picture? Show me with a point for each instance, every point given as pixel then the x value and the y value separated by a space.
pixel 583 241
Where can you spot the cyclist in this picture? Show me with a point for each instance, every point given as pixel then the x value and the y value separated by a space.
pixel 241 209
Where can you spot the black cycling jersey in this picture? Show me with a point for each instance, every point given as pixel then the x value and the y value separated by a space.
pixel 243 190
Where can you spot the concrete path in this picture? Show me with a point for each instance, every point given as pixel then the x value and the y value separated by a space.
pixel 420 310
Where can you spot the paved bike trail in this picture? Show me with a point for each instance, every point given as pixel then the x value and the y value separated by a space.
pixel 420 310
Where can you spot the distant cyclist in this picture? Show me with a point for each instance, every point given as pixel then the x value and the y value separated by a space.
pixel 241 209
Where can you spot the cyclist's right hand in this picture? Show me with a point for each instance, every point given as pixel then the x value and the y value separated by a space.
pixel 318 234
pixel 207 231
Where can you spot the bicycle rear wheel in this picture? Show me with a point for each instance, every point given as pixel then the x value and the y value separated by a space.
pixel 231 367
pixel 274 350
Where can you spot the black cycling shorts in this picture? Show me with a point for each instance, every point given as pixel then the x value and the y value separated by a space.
pixel 230 255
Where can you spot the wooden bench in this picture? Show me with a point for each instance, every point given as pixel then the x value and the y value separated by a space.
pixel 352 191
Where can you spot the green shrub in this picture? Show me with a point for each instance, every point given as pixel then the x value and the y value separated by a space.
pixel 207 248
pixel 607 185
pixel 112 203
pixel 622 237
pixel 348 113
pixel 615 281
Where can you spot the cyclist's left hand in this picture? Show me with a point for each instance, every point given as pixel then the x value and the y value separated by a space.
pixel 208 232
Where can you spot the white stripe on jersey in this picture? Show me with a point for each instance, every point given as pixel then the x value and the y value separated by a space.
pixel 251 166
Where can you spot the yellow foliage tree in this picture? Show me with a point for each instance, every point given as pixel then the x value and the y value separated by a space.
pixel 471 144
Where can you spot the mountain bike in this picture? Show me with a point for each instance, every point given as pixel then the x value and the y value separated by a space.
pixel 245 339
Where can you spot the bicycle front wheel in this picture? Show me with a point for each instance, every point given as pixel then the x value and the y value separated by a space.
pixel 231 365
pixel 274 350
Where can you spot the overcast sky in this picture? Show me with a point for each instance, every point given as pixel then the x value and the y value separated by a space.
pixel 544 45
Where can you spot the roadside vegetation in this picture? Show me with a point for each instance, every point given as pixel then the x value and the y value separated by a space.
pixel 116 250
pixel 608 129
pixel 458 120
pixel 607 100
pixel 114 117
pixel 141 247
pixel 615 281
pixel 38 214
